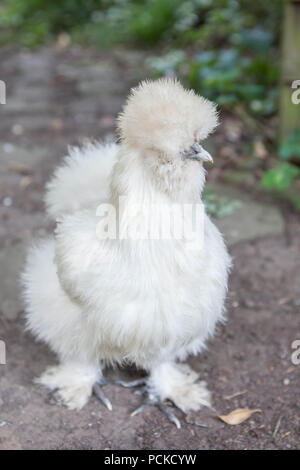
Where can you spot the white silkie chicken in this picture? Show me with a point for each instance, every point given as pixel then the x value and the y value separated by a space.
pixel 98 300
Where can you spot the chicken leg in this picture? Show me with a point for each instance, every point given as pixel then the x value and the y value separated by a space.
pixel 176 383
pixel 152 400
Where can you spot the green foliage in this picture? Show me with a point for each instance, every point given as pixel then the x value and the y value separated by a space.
pixel 35 21
pixel 225 76
pixel 131 22
pixel 281 177
pixel 149 22
pixel 233 58
pixel 153 20
pixel 229 77
pixel 166 64
pixel 284 174
pixel 225 49
pixel 291 147
pixel 142 22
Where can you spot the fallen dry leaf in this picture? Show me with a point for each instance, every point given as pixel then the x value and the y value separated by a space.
pixel 238 416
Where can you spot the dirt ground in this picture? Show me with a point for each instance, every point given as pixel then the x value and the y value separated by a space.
pixel 56 98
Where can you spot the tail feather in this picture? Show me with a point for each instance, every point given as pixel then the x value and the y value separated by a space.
pixel 82 180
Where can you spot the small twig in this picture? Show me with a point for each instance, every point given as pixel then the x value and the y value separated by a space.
pixel 201 425
pixel 237 394
pixel 276 429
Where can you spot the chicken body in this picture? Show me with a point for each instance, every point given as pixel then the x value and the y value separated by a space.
pixel 146 301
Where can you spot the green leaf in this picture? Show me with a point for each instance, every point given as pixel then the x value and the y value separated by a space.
pixel 290 147
pixel 280 177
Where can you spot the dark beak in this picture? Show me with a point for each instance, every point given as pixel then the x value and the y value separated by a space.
pixel 197 152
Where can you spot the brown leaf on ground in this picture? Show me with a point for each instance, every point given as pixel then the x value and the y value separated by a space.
pixel 238 416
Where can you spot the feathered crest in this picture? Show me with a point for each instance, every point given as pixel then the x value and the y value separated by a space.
pixel 161 114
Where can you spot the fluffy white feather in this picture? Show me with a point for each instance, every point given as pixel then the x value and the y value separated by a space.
pixel 148 302
pixel 83 177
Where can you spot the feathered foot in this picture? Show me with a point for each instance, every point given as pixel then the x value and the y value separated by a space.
pixel 72 385
pixel 177 383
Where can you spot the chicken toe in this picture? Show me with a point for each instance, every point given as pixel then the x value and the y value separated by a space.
pixel 98 392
